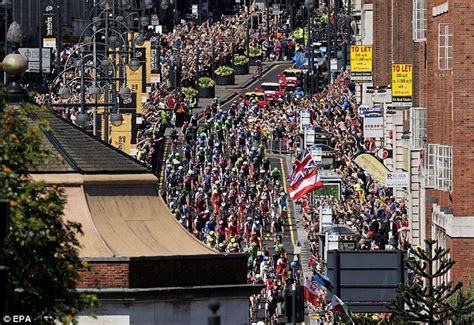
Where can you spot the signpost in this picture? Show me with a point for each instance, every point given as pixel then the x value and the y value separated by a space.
pixel 309 135
pixel 305 120
pixel 325 217
pixel 361 63
pixel 333 65
pixel 317 154
pixel 373 127
pixel 402 85
pixel 32 55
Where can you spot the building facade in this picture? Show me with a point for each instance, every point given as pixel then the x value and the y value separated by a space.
pixel 433 139
pixel 28 13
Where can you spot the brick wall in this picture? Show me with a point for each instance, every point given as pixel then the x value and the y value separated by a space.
pixel 403 46
pixel 462 13
pixel 382 43
pixel 105 275
pixel 462 252
pixel 166 271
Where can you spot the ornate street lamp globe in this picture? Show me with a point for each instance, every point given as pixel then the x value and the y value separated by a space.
pixel 86 39
pixel 120 19
pixel 134 64
pixel 139 40
pixel 125 4
pixel 116 119
pixel 125 92
pixel 165 4
pixel 64 92
pixel 82 119
pixel 144 21
pixel 113 41
pixel 14 64
pixel 96 20
pixel 105 63
pixel 95 91
pixel 148 4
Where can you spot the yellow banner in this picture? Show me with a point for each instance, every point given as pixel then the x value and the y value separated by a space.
pixel 402 83
pixel 134 81
pixel 122 135
pixel 361 63
pixel 373 166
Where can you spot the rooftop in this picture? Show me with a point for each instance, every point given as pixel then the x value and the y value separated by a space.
pixel 77 151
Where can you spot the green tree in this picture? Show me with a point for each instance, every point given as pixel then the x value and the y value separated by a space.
pixel 41 249
pixel 424 300
pixel 461 298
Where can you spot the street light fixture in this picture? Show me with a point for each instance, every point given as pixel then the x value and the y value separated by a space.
pixel 82 119
pixel 134 64
pixel 64 92
pixel 144 21
pixel 165 4
pixel 148 4
pixel 125 93
pixel 114 41
pixel 116 119
pixel 95 91
pixel 97 21
pixel 139 40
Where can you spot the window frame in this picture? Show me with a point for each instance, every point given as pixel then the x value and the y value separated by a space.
pixel 419 20
pixel 418 120
pixel 445 46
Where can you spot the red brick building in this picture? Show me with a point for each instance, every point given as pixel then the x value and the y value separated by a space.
pixel 436 36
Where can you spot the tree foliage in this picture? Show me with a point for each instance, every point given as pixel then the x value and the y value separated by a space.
pixel 41 249
pixel 425 300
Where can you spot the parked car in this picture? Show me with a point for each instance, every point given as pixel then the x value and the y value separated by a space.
pixel 272 90
pixel 290 79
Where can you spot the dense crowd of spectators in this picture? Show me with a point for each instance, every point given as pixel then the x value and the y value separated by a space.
pixel 219 180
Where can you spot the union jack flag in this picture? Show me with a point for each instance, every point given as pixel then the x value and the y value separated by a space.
pixel 302 167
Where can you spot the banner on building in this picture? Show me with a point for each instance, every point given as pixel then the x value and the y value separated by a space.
pixel 49 25
pixel 373 166
pixel 155 65
pixel 361 63
pixel 373 127
pixel 402 84
pixel 397 180
pixel 121 135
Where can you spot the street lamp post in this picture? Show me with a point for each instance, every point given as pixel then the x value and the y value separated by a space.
pixel 15 65
pixel 112 23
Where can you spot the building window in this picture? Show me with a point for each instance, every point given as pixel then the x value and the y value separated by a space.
pixel 444 163
pixel 419 20
pixel 430 166
pixel 439 167
pixel 418 128
pixel 445 46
